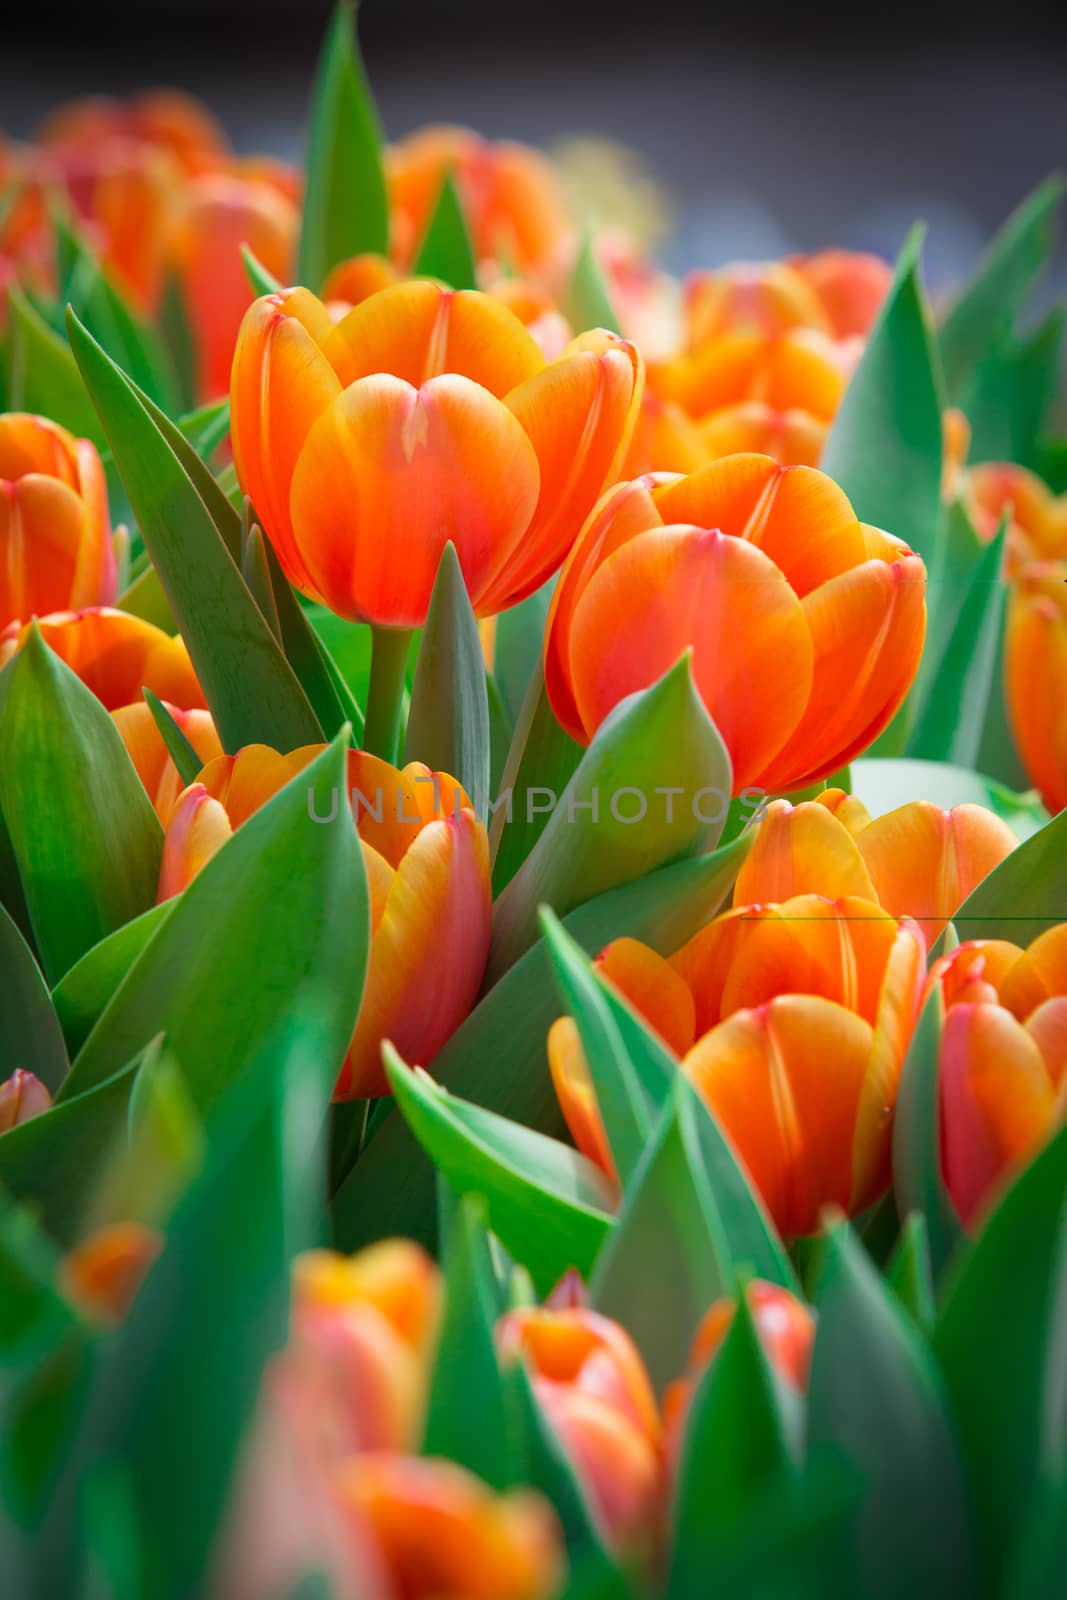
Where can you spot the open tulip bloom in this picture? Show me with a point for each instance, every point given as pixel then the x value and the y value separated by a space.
pixel 533 885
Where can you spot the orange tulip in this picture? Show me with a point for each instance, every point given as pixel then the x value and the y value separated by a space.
pixel 800 370
pixel 593 1387
pixel 145 747
pixel 851 287
pixel 351 282
pixel 361 1345
pixel 216 214
pixel 793 436
pixel 511 199
pixel 115 655
pixel 427 861
pixel 443 1535
pixel 55 536
pixel 163 118
pixel 805 625
pixel 423 416
pixel 22 1097
pixel 123 190
pixel 786 1330
pixel 768 296
pixel 666 439
pixel 802 1013
pixel 103 1274
pixel 1036 677
pixel 917 861
pixel 1003 1061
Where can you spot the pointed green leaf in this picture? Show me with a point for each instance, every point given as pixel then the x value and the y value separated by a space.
pixel 82 993
pixel 44 375
pixel 917 1180
pixel 331 699
pixel 262 281
pixel 1011 396
pixel 31 1037
pixel 910 1274
pixel 346 208
pixel 179 749
pixel 517 645
pixel 588 302
pixel 446 251
pixel 540 763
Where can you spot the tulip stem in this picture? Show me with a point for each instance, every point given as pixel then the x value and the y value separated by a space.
pixel 385 698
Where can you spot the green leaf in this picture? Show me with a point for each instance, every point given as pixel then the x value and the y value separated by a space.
pixel 548 1205
pixel 82 993
pixel 1024 894
pixel 948 724
pixel 448 723
pixel 83 832
pixel 1000 1344
pixel 31 1038
pixel 44 375
pixel 256 574
pixel 876 1399
pixel 885 445
pixel 736 1445
pixel 665 1254
pixel 540 763
pixel 588 303
pixel 262 281
pixel 446 251
pixel 251 689
pixel 637 801
pixel 330 696
pixel 497 1058
pixel 161 1152
pixel 910 1274
pixel 548 1468
pixel 34 1317
pixel 144 597
pixel 466 1363
pixel 1011 396
pixel 206 427
pixel 181 752
pixel 283 901
pixel 917 1180
pixel 517 646
pixel 346 207
pixel 986 310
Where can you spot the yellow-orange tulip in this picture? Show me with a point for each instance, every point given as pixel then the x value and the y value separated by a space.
pixel 363 1333
pixel 55 536
pixel 801 1013
pixel 1003 1061
pixel 442 1534
pixel 145 747
pixel 806 626
pixel 793 436
pixel 851 286
pixel 22 1097
pixel 1036 677
pixel 596 1393
pixel 768 296
pixel 427 862
pixel 917 861
pixel 115 655
pixel 665 439
pixel 511 198
pixel 801 370
pixel 423 416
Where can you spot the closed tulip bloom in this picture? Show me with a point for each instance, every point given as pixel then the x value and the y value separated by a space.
pixel 362 1340
pixel 1003 1061
pixel 166 119
pixel 593 1387
pixel 1037 518
pixel 423 416
pixel 103 1273
pixel 426 857
pixel 115 655
pixel 802 370
pixel 793 437
pixel 917 861
pixel 665 439
pixel 851 286
pixel 442 1534
pixel 145 747
pixel 805 625
pixel 22 1097
pixel 786 1330
pixel 1035 655
pixel 511 198
pixel 55 535
pixel 768 296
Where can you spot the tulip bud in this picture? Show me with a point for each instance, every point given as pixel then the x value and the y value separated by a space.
pixel 103 1273
pixel 22 1097
pixel 146 749
pixel 1036 677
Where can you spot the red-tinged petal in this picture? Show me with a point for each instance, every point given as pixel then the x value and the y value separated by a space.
pixel 1047 1026
pixel 677 589
pixel 802 849
pixel 427 955
pixel 654 989
pixel 977 964
pixel 22 1097
pixel 997 1102
pixel 851 287
pixel 116 655
pixel 389 474
pixel 576 1095
pixel 198 828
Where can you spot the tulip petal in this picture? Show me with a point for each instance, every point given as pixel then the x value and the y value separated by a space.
pixel 898 1007
pixel 577 1097
pixel 654 989
pixel 1036 680
pixel 145 748
pixel 116 655
pixel 802 849
pixel 1047 1026
pixel 1039 974
pixel 198 828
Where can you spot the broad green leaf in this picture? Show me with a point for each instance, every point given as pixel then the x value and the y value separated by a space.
pixel 331 699
pixel 206 427
pixel 884 785
pixel 34 1316
pixel 917 1180
pixel 144 597
pixel 82 829
pixel 497 1058
pixel 466 1363
pixel 262 281
pixel 653 787
pixel 885 445
pixel 949 722
pixel 251 689
pixel 518 641
pixel 540 764
pixel 161 1152
pixel 131 341
pixel 44 375
pixel 736 1445
pixel 446 251
pixel 548 1205
pixel 986 310
pixel 910 1274
pixel 588 303
pixel 185 758
pixel 179 340
pixel 282 902
pixel 82 993
pixel 1000 1343
pixel 256 574
pixel 665 1261
pixel 1041 1553
pixel 627 1112
pixel 346 207
pixel 31 1037
pixel 998 754
pixel 448 722
pixel 1025 894
pixel 1011 396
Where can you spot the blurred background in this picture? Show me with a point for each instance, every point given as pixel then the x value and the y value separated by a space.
pixel 783 127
